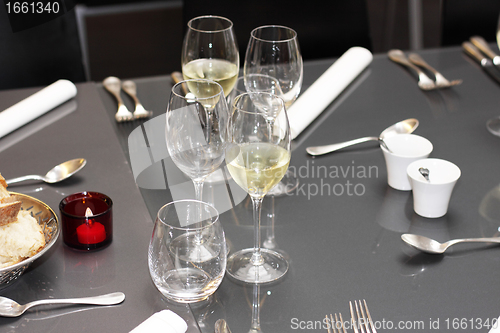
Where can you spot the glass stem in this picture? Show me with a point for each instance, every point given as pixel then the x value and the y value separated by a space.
pixel 257 255
pixel 255 325
pixel 198 193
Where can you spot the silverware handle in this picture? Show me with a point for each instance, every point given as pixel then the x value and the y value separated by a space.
pixel 23 178
pixel 419 61
pixel 482 45
pixel 130 88
pixel 476 240
pixel 399 57
pixel 320 150
pixel 108 299
pixel 471 50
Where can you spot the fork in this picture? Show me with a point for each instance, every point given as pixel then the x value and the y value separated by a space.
pixel 113 85
pixel 359 319
pixel 424 82
pixel 131 89
pixel 335 327
pixel 441 81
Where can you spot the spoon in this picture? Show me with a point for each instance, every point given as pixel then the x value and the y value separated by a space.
pixel 221 326
pixel 402 127
pixel 424 172
pixel 431 246
pixel 56 174
pixel 10 308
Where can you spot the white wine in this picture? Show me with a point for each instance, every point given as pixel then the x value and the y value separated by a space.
pixel 257 167
pixel 221 71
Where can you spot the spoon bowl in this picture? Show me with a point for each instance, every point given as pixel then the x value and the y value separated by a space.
pixel 56 174
pixel 406 126
pixel 429 245
pixel 10 308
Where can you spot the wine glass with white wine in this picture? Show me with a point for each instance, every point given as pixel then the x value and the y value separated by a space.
pixel 257 157
pixel 210 51
pixel 274 51
pixel 493 124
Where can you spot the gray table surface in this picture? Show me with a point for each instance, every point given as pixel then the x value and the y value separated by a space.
pixel 340 230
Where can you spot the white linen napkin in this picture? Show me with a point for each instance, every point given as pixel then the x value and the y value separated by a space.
pixel 326 88
pixel 164 321
pixel 35 105
pixel 496 326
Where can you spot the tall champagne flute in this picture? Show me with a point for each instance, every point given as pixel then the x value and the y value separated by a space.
pixel 210 51
pixel 274 51
pixel 196 129
pixel 493 124
pixel 257 157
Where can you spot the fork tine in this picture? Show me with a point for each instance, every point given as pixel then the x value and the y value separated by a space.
pixel 336 325
pixel 353 318
pixel 331 323
pixel 360 319
pixel 341 323
pixel 370 321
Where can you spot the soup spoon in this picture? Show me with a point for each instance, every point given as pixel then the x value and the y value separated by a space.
pixel 10 308
pixel 56 174
pixel 429 245
pixel 403 127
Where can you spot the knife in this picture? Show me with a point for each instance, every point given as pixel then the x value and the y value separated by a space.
pixel 482 45
pixel 485 63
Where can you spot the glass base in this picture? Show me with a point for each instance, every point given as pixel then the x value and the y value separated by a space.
pixel 288 183
pixel 493 126
pixel 272 267
pixel 194 247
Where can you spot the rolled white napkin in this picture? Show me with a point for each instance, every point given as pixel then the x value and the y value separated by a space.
pixel 326 88
pixel 164 321
pixel 36 105
pixel 496 326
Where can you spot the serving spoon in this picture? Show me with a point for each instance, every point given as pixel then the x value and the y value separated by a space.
pixel 429 245
pixel 10 308
pixel 403 127
pixel 56 174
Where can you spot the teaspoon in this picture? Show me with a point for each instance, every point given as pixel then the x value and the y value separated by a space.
pixel 429 245
pixel 10 308
pixel 56 174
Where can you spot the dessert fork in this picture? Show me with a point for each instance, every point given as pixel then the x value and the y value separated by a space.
pixel 131 89
pixel 359 319
pixel 424 82
pixel 441 81
pixel 336 325
pixel 113 85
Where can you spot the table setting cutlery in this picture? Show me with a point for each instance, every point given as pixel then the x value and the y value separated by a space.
pixel 485 62
pixel 58 173
pixel 361 320
pixel 10 308
pixel 406 126
pixel 414 61
pixel 114 86
pixel 432 246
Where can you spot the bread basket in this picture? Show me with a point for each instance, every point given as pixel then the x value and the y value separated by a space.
pixel 51 229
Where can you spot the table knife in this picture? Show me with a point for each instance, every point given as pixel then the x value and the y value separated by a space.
pixel 485 63
pixel 482 45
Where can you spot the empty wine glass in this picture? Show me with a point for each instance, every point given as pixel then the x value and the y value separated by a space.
pixel 493 124
pixel 210 51
pixel 196 129
pixel 180 268
pixel 257 157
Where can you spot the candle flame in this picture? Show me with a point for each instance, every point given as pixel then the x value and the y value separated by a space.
pixel 88 212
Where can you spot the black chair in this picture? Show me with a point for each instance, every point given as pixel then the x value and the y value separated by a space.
pixel 325 28
pixel 465 18
pixel 40 55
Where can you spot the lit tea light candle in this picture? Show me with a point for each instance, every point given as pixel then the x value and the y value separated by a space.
pixel 87 220
pixel 91 232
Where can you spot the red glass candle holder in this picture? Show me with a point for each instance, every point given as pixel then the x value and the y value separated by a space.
pixel 87 220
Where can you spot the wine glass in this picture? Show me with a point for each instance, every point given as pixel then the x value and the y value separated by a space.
pixel 493 124
pixel 196 129
pixel 257 157
pixel 210 51
pixel 274 51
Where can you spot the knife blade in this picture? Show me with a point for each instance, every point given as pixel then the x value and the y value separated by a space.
pixel 485 62
pixel 482 45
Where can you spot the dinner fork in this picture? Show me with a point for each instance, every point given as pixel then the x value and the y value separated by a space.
pixel 131 89
pixel 359 319
pixel 424 82
pixel 441 81
pixel 336 325
pixel 113 85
